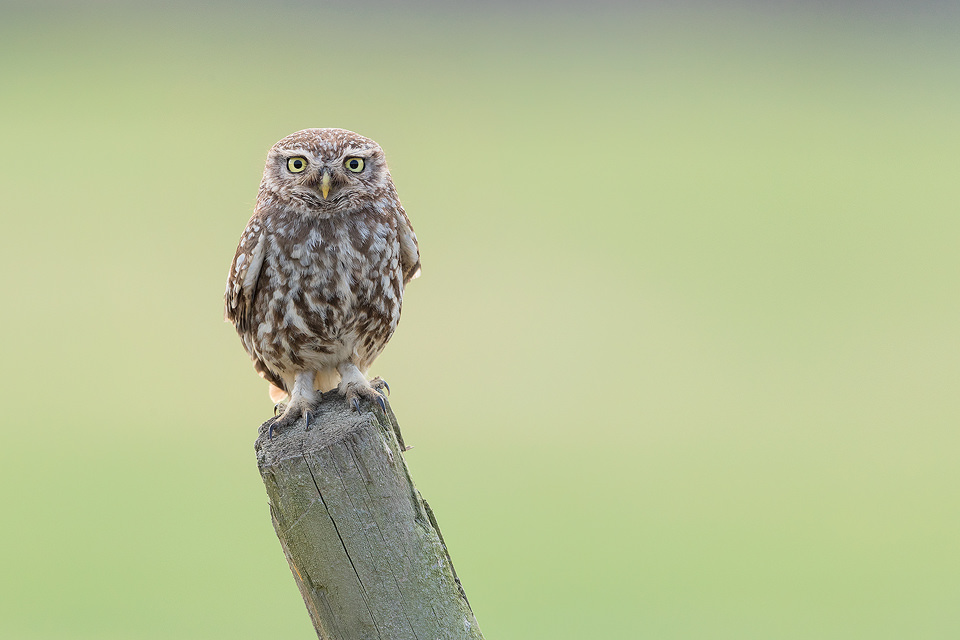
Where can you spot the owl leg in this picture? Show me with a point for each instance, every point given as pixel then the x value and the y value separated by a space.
pixel 354 386
pixel 302 398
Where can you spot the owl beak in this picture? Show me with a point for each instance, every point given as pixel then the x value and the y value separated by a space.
pixel 325 184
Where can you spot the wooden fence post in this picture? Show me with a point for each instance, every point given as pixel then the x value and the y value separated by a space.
pixel 363 546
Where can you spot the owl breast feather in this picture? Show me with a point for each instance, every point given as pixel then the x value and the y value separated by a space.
pixel 329 292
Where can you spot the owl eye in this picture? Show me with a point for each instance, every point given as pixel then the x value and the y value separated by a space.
pixel 354 164
pixel 296 164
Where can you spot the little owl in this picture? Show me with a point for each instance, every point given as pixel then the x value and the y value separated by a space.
pixel 317 282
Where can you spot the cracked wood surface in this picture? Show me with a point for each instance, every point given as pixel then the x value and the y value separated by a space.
pixel 363 545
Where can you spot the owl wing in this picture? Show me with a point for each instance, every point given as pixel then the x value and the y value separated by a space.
pixel 242 283
pixel 409 250
pixel 244 277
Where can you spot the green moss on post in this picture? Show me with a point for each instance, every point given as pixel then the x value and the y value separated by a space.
pixel 362 544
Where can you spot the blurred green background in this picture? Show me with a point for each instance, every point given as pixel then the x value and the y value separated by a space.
pixel 683 362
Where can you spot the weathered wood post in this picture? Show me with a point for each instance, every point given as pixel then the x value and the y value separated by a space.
pixel 363 546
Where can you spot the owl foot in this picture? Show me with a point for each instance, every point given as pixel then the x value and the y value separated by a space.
pixel 354 387
pixel 302 399
pixel 290 416
pixel 354 393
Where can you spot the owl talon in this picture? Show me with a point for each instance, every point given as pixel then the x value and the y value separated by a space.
pixel 275 425
pixel 278 409
pixel 290 416
pixel 356 405
pixel 383 403
pixel 379 383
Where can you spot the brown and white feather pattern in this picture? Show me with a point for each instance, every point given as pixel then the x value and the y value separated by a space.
pixel 316 285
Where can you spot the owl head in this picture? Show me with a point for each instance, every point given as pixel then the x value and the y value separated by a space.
pixel 326 171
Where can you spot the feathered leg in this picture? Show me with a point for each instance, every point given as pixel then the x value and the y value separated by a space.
pixel 303 397
pixel 353 386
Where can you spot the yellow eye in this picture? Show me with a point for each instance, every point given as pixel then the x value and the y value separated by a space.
pixel 354 164
pixel 296 164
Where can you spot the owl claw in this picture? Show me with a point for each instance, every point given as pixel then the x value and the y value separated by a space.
pixel 270 430
pixel 354 387
pixel 289 416
pixel 379 383
pixel 275 425
pixel 278 408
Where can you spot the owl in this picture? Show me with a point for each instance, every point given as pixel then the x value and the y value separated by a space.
pixel 316 285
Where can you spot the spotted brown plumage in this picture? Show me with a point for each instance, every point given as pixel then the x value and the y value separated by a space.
pixel 316 285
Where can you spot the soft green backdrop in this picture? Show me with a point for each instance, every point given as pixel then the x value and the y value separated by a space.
pixel 684 361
